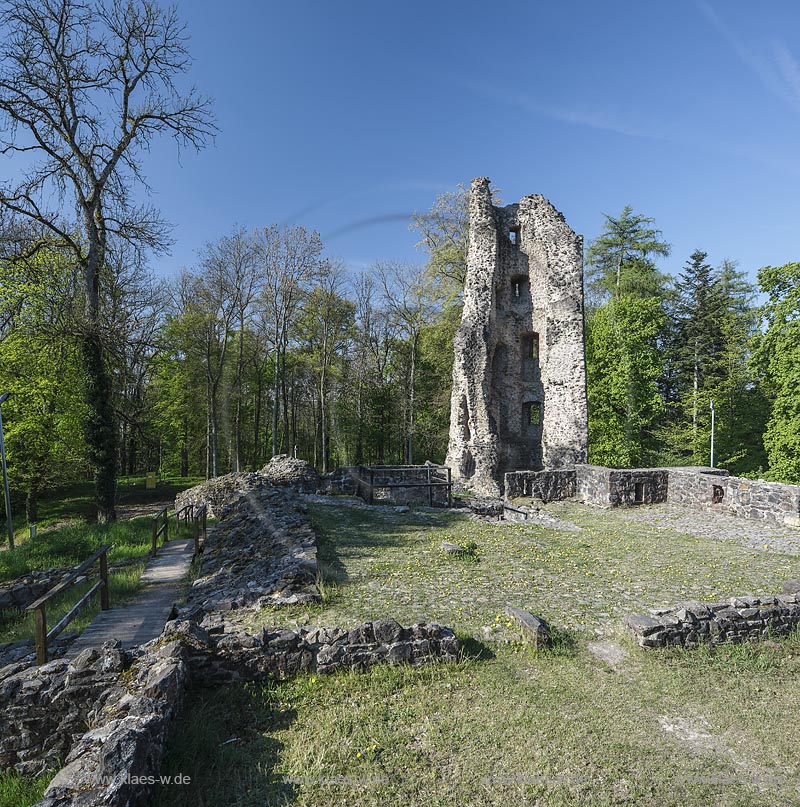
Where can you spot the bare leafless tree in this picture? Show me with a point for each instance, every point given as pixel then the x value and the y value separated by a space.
pixel 412 301
pixel 290 261
pixel 84 89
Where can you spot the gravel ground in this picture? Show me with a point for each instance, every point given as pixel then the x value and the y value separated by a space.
pixel 705 524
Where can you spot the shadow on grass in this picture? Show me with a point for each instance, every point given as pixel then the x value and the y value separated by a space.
pixel 565 641
pixel 349 528
pixel 224 743
pixel 473 649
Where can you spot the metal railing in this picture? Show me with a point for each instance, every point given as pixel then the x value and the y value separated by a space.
pixel 39 607
pixel 389 477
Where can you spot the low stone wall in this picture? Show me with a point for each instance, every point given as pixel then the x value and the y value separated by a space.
pixel 736 620
pixel 409 484
pixel 43 710
pixel 263 551
pixel 341 482
pixel 549 486
pixel 732 495
pixel 217 657
pixel 111 763
pixel 613 487
pixel 216 494
pixel 221 491
pixel 130 699
pixel 18 594
pixel 291 472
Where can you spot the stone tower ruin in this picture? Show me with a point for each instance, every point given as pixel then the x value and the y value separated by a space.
pixel 519 376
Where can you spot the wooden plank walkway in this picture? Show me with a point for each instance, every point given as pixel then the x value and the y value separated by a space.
pixel 144 617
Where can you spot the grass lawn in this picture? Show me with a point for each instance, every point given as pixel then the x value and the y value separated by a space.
pixel 69 540
pixel 595 721
pixel 73 503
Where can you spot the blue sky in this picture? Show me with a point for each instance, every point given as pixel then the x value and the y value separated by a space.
pixel 347 116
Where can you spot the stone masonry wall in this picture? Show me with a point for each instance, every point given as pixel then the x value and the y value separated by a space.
pixel 736 620
pixel 263 551
pixel 519 381
pixel 549 486
pixel 43 710
pixel 710 490
pixel 613 487
pixel 130 700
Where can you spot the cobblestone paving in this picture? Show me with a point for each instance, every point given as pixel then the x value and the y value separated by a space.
pixel 379 562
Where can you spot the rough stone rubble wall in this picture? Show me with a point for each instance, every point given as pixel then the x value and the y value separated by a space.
pixel 738 619
pixel 549 486
pixel 765 501
pixel 613 487
pixel 130 700
pixel 518 294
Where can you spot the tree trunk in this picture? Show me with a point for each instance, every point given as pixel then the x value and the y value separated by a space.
pixel 185 448
pixel 214 424
pixel 411 399
pixel 123 448
pixel 32 504
pixel 276 391
pixel 101 429
pixel 237 426
pixel 257 425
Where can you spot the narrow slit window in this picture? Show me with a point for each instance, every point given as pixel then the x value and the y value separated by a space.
pixel 518 285
pixel 531 346
pixel 532 415
pixel 513 235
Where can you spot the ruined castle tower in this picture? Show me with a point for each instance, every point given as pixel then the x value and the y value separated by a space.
pixel 519 377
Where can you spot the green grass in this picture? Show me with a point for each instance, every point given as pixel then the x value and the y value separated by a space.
pixel 21 791
pixel 73 502
pixel 130 541
pixel 506 725
pixel 123 585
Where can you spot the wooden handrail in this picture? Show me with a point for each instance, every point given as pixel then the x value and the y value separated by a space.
pixel 162 515
pixel 199 518
pixel 39 607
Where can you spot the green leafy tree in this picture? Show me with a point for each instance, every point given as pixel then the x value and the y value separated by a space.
pixel 39 365
pixel 777 359
pixel 620 259
pixel 623 366
pixel 624 334
pixel 85 88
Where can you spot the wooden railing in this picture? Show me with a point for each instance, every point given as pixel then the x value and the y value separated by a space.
pixel 39 608
pixel 199 517
pixel 197 514
pixel 160 527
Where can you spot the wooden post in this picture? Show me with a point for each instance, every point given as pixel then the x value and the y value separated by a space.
pixel 41 635
pixel 104 600
pixel 166 526
pixel 449 487
pixel 155 537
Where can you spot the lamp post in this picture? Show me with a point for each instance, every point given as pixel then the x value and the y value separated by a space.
pixel 9 525
pixel 712 434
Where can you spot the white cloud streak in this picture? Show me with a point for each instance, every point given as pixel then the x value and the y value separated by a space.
pixel 784 84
